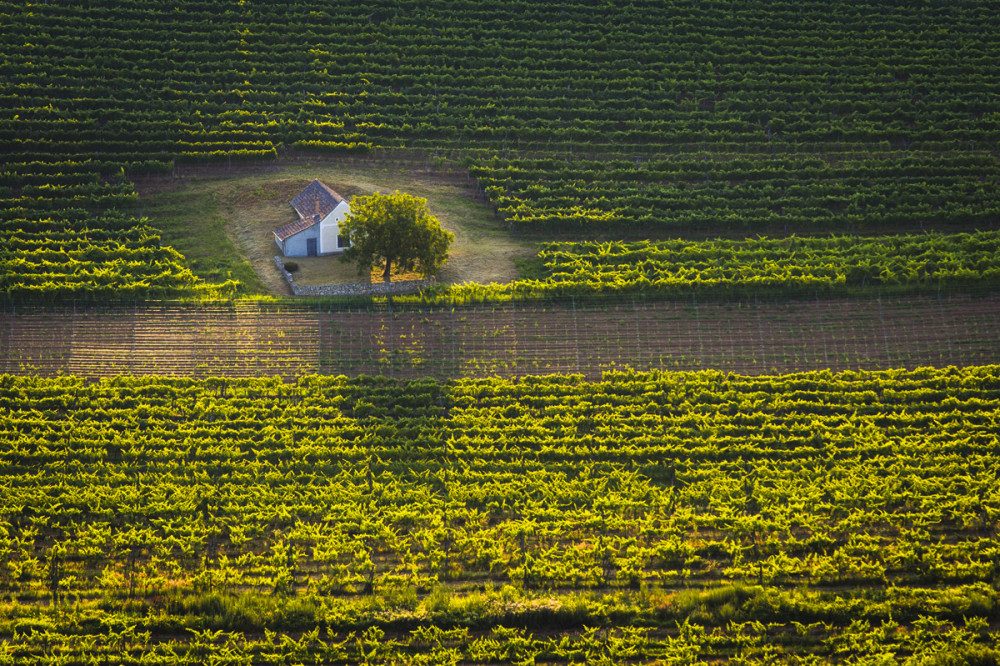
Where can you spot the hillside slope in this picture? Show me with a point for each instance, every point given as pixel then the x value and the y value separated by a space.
pixel 654 118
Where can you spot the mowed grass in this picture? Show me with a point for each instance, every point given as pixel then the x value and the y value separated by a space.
pixel 225 226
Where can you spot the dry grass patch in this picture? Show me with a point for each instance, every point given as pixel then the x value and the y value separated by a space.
pixel 319 271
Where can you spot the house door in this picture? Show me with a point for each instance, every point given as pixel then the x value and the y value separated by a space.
pixel 310 247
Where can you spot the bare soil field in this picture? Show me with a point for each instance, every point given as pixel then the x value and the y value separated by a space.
pixel 747 337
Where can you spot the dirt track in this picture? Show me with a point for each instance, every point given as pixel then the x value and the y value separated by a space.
pixel 509 340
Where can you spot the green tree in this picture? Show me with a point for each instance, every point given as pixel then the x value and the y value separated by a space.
pixel 397 229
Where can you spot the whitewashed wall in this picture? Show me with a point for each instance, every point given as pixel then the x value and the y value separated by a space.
pixel 330 228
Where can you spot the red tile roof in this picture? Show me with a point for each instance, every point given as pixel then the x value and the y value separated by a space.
pixel 290 230
pixel 316 199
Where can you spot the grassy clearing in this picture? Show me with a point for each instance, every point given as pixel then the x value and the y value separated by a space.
pixel 225 226
pixel 192 222
pixel 318 271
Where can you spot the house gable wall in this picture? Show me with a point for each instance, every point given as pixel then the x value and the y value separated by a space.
pixel 330 228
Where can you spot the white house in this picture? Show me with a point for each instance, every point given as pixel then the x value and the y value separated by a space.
pixel 317 231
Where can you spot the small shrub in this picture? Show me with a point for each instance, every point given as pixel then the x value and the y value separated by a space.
pixel 709 606
pixel 291 266
pixel 34 624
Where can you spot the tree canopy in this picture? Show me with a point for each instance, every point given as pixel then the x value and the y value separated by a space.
pixel 396 229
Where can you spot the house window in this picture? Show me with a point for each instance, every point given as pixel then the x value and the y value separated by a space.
pixel 342 241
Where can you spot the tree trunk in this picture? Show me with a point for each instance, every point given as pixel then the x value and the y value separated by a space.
pixel 388 269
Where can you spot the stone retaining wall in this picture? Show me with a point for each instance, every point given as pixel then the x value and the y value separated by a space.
pixel 354 289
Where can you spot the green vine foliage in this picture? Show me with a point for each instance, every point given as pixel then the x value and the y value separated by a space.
pixel 636 120
pixel 643 515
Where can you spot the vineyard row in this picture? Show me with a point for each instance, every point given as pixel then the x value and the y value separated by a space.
pixel 675 507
